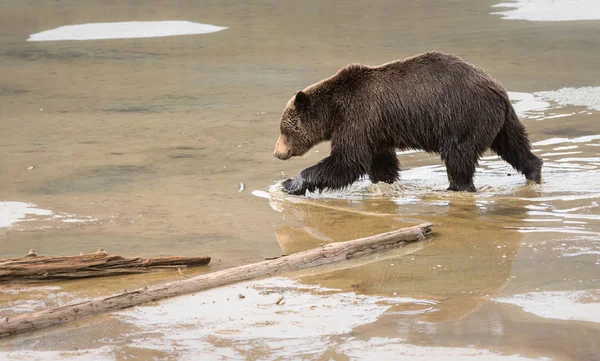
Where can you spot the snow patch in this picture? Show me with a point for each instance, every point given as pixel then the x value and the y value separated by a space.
pixel 550 10
pixel 255 315
pixel 124 30
pixel 562 305
pixel 12 212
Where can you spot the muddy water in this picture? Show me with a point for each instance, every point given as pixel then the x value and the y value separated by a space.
pixel 140 145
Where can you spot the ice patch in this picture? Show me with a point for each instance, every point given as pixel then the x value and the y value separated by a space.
pixel 257 316
pixel 525 103
pixel 562 305
pixel 550 10
pixel 558 116
pixel 554 154
pixel 301 324
pixel 566 148
pixel 534 105
pixel 12 212
pixel 584 96
pixel 100 354
pixel 552 141
pixel 579 160
pixel 586 138
pixel 124 30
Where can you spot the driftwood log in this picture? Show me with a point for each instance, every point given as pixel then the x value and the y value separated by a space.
pixel 332 252
pixel 34 268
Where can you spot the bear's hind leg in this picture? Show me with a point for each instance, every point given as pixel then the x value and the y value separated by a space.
pixel 512 145
pixel 460 167
pixel 384 167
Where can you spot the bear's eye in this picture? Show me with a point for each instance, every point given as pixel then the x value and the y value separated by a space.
pixel 286 129
pixel 289 125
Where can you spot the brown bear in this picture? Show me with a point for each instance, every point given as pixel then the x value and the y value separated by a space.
pixel 435 102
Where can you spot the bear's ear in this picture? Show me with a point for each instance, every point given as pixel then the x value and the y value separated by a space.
pixel 301 101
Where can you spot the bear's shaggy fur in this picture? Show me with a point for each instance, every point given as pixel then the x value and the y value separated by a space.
pixel 433 101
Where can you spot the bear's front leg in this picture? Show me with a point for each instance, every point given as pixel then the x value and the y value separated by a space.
pixel 334 172
pixel 384 167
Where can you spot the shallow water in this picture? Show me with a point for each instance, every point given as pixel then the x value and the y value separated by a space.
pixel 139 146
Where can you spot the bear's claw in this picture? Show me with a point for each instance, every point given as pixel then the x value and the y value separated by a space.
pixel 294 186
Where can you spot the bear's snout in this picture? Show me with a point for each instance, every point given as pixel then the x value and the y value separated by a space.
pixel 282 150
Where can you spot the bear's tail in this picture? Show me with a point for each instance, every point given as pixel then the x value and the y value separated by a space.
pixel 512 144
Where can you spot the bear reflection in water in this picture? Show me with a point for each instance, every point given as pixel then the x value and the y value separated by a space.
pixel 433 101
pixel 469 258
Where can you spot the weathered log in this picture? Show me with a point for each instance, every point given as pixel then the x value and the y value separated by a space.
pixel 332 252
pixel 34 268
pixel 354 263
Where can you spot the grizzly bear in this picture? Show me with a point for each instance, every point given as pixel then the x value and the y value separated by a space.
pixel 434 102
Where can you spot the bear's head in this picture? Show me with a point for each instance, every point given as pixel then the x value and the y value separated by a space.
pixel 301 127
